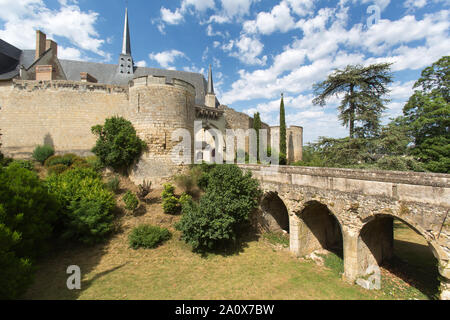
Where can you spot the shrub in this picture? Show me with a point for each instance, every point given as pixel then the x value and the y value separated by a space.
pixel 170 203
pixel 42 153
pixel 230 197
pixel 118 145
pixel 148 237
pixel 57 169
pixel 113 184
pixel 131 201
pixel 29 209
pixel 87 205
pixel 185 200
pixel 17 273
pixel 69 160
pixel 144 189
pixel 95 163
pixel 24 164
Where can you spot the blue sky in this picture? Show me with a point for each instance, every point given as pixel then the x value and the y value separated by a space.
pixel 258 48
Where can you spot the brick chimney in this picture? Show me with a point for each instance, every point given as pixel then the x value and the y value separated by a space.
pixel 53 45
pixel 40 43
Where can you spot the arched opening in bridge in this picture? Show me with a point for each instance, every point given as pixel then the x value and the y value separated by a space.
pixel 275 216
pixel 319 229
pixel 406 259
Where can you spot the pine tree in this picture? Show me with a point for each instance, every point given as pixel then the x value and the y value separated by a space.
pixel 257 127
pixel 283 133
pixel 363 103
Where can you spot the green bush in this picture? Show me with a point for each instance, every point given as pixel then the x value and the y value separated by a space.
pixel 131 201
pixel 118 145
pixel 67 160
pixel 42 153
pixel 148 237
pixel 230 197
pixel 29 209
pixel 95 163
pixel 24 164
pixel 170 203
pixel 185 200
pixel 57 169
pixel 87 205
pixel 113 184
pixel 16 273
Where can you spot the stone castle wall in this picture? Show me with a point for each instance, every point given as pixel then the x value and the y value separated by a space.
pixel 59 113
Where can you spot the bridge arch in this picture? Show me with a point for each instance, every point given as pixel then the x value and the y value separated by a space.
pixel 375 247
pixel 275 214
pixel 318 228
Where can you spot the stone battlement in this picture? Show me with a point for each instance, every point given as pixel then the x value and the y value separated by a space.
pixel 162 81
pixel 32 85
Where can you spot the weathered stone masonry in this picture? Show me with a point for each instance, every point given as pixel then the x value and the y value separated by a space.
pixel 364 204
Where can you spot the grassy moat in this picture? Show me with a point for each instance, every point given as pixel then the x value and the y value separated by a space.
pixel 259 269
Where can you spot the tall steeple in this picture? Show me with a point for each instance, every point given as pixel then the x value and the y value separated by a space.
pixel 210 81
pixel 126 65
pixel 126 48
pixel 210 97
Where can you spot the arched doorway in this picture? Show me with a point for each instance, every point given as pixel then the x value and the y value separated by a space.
pixel 319 229
pixel 275 216
pixel 399 251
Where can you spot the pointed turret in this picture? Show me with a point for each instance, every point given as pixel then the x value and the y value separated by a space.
pixel 126 64
pixel 210 98
pixel 210 81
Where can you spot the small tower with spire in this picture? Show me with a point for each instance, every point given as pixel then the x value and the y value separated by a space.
pixel 126 65
pixel 210 98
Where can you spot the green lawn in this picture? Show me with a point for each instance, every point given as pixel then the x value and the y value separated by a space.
pixel 173 271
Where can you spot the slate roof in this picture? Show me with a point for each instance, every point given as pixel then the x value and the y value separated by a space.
pixel 11 58
pixel 107 73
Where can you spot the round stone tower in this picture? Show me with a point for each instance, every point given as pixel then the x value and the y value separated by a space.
pixel 158 107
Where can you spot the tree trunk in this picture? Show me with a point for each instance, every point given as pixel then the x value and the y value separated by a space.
pixel 352 114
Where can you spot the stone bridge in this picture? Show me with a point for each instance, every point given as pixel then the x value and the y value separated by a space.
pixel 353 211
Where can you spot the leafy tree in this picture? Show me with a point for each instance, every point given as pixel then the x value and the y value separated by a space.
pixel 363 102
pixel 283 133
pixel 230 197
pixel 427 115
pixel 257 127
pixel 118 145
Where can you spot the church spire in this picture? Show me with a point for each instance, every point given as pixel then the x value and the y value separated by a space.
pixel 126 48
pixel 210 81
pixel 126 64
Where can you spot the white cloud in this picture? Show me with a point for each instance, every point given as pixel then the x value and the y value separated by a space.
pixel 415 3
pixel 166 58
pixel 171 17
pixel 279 19
pixel 69 53
pixel 236 8
pixel 302 7
pixel 142 63
pixel 383 4
pixel 248 50
pixel 23 17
